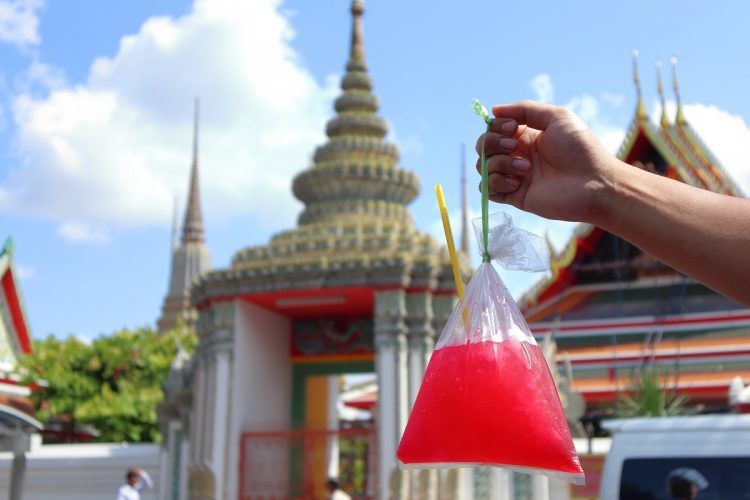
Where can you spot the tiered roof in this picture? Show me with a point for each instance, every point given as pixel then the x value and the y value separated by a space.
pixel 670 149
pixel 355 228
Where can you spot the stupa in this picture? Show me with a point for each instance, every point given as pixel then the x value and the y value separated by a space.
pixel 355 287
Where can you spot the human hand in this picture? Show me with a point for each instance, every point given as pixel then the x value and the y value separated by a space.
pixel 543 159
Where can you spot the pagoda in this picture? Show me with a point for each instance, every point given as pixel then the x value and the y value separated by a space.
pixel 191 258
pixel 615 310
pixel 354 288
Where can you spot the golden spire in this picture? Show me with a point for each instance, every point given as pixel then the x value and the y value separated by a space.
pixel 664 120
pixel 355 174
pixel 640 110
pixel 358 40
pixel 192 230
pixel 680 118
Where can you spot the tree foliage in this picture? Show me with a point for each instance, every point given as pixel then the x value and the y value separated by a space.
pixel 113 383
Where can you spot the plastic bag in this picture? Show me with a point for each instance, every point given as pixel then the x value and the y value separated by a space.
pixel 487 396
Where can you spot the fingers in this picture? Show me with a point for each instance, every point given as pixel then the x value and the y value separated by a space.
pixel 496 143
pixel 534 114
pixel 501 184
pixel 506 165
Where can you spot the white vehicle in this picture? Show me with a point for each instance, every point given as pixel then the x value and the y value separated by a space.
pixel 646 450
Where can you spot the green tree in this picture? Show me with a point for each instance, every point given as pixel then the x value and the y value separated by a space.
pixel 651 396
pixel 113 384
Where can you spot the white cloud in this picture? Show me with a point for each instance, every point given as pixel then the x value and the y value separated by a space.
pixel 19 22
pixel 588 108
pixel 615 100
pixel 76 232
pixel 116 149
pixel 25 272
pixel 542 85
pixel 726 136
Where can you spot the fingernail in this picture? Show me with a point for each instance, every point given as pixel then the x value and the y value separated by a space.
pixel 508 143
pixel 508 127
pixel 520 165
pixel 512 183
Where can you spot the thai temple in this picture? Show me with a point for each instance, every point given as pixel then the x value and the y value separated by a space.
pixel 190 258
pixel 615 310
pixel 355 287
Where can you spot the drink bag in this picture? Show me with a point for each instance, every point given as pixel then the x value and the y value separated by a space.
pixel 487 396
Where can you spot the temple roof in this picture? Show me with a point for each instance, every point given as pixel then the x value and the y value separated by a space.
pixel 670 149
pixel 191 258
pixel 192 229
pixel 355 225
pixel 15 334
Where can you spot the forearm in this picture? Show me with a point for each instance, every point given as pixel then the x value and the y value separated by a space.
pixel 703 234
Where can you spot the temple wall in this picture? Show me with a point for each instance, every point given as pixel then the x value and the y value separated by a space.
pixel 262 382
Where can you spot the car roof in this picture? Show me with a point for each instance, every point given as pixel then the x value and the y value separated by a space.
pixel 679 424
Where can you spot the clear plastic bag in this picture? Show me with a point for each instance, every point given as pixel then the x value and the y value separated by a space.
pixel 487 397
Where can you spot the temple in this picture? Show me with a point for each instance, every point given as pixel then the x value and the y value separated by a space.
pixel 190 258
pixel 354 288
pixel 614 310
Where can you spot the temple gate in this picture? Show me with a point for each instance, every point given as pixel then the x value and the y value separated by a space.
pixel 354 288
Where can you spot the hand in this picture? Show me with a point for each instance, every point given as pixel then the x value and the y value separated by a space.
pixel 543 159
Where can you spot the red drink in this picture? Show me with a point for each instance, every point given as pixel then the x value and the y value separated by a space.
pixel 492 403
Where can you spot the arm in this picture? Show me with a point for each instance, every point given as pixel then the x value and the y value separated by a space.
pixel 703 234
pixel 544 160
pixel 144 481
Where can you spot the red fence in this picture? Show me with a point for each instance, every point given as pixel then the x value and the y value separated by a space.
pixel 291 465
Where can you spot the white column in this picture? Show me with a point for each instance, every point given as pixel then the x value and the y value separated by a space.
pixel 219 421
pixel 165 469
pixel 421 341
pixel 502 485
pixel 393 397
pixel 539 487
pixel 333 424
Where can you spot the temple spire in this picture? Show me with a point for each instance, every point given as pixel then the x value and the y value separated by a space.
pixel 664 119
pixel 680 118
pixel 640 110
pixel 175 223
pixel 358 41
pixel 192 230
pixel 464 204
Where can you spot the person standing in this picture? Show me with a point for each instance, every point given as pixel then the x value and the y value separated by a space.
pixel 136 480
pixel 335 492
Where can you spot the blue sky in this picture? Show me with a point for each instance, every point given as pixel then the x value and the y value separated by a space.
pixel 95 116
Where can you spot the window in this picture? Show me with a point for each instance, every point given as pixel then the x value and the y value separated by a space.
pixel 646 478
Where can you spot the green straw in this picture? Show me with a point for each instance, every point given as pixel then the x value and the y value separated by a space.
pixel 480 110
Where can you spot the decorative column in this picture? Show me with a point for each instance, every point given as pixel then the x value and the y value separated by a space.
pixel 212 386
pixel 451 482
pixel 390 364
pixel 421 341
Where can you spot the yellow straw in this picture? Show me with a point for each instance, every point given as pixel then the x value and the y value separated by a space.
pixel 449 240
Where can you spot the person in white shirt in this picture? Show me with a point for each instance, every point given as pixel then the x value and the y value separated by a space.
pixel 335 492
pixel 136 480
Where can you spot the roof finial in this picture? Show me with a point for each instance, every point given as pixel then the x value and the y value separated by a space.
pixel 640 110
pixel 192 231
pixel 358 40
pixel 680 118
pixel 464 204
pixel 664 120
